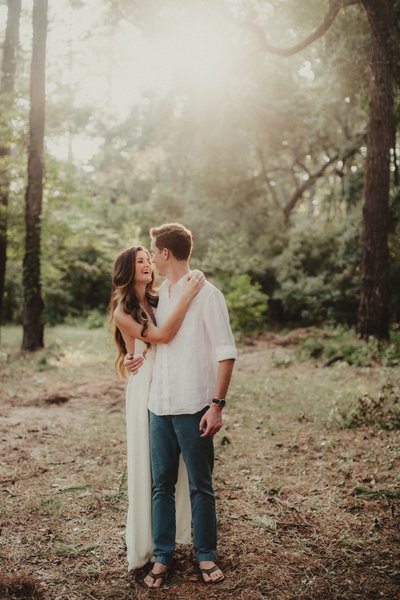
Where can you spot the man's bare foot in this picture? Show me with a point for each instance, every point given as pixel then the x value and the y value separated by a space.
pixel 157 576
pixel 210 572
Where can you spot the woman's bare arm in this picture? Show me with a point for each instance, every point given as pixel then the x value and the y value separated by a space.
pixel 164 334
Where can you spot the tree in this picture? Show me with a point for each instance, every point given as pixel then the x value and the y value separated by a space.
pixel 33 303
pixel 373 317
pixel 8 70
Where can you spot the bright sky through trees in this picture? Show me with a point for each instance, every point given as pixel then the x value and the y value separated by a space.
pixel 108 66
pixel 195 52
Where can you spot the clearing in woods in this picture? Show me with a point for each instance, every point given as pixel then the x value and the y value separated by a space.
pixel 307 509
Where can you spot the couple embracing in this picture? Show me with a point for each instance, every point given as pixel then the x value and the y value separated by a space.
pixel 179 349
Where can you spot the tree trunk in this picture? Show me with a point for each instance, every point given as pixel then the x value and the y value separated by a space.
pixel 33 304
pixel 373 315
pixel 8 69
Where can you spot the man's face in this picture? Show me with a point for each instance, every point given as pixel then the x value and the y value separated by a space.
pixel 158 257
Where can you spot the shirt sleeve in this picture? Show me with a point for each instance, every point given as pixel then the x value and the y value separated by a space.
pixel 218 328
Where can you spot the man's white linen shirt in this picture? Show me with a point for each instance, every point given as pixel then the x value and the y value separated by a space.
pixel 185 370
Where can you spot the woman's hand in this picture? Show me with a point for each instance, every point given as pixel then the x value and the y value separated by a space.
pixel 133 362
pixel 194 283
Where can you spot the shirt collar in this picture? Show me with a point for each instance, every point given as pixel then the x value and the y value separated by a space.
pixel 180 281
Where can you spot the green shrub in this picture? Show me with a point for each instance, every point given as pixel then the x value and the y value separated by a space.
pixel 247 304
pixel 344 345
pixel 313 347
pixel 79 282
pixel 317 273
pixel 91 319
pixel 382 412
pixel 390 353
pixel 361 353
pixel 13 294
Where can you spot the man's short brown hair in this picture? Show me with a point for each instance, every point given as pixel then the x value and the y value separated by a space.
pixel 175 237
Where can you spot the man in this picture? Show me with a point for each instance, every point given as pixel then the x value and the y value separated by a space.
pixel 190 381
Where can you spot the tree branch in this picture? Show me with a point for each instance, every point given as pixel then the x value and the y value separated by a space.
pixel 267 180
pixel 303 166
pixel 334 8
pixel 307 184
pixel 298 193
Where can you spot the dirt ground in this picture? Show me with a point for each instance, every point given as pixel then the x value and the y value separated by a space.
pixel 306 509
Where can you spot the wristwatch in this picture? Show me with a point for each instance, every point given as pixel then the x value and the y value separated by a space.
pixel 221 403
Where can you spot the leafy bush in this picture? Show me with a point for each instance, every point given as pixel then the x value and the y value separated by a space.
pixel 318 273
pixel 383 412
pixel 92 319
pixel 313 348
pixel 13 293
pixel 342 344
pixel 80 281
pixel 247 304
pixel 390 353
pixel 360 353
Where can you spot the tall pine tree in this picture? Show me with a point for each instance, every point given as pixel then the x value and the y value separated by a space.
pixel 33 303
pixel 8 70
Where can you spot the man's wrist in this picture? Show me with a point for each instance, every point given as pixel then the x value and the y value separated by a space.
pixel 219 402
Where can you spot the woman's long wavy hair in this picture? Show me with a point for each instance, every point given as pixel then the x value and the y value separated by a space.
pixel 123 292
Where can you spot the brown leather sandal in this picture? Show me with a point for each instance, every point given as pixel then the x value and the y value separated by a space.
pixel 208 572
pixel 155 576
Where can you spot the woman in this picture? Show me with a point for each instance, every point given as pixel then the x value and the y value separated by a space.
pixel 132 308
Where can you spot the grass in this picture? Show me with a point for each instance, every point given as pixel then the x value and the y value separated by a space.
pixel 342 344
pixel 370 494
pixel 307 508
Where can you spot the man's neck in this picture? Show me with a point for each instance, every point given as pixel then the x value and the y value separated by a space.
pixel 177 270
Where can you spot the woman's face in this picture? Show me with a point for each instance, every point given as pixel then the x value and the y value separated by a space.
pixel 143 267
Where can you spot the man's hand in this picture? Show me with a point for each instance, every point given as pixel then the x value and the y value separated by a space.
pixel 133 362
pixel 211 421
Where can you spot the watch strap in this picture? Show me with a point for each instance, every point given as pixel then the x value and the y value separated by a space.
pixel 219 402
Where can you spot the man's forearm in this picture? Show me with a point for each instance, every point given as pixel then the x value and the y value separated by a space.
pixel 225 368
pixel 211 421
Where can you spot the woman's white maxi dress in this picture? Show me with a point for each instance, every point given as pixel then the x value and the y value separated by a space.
pixel 139 541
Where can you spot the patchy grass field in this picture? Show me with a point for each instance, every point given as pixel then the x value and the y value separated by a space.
pixel 307 509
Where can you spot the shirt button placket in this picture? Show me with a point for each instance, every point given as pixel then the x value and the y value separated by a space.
pixel 165 384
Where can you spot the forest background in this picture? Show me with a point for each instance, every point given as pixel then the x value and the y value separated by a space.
pixel 270 129
pixel 179 111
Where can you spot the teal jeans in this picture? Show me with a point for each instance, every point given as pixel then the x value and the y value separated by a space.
pixel 169 436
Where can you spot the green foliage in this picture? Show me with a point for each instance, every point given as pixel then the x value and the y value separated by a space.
pixel 318 273
pixel 312 347
pixel 198 160
pixel 247 305
pixel 382 412
pixel 341 344
pixel 227 255
pixel 362 354
pixel 372 494
pixel 92 319
pixel 13 295
pixel 390 352
pixel 95 319
pixel 79 280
